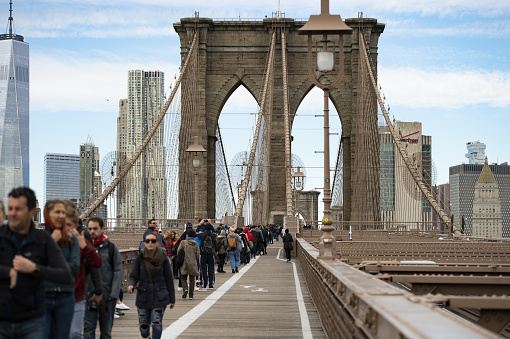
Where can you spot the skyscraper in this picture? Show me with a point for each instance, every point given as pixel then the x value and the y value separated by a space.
pixel 463 179
pixel 89 165
pixel 61 176
pixel 14 111
pixel 142 195
pixel 400 199
pixel 476 152
pixel 487 217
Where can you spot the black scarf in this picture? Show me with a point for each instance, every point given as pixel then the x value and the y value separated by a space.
pixel 153 263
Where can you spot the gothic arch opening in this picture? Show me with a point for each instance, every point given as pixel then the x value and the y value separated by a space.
pixel 308 142
pixel 236 120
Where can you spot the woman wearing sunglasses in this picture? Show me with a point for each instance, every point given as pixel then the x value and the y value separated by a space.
pixel 153 274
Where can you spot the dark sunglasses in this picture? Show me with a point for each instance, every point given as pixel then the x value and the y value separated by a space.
pixel 150 240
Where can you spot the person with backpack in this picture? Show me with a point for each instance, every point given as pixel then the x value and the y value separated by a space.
pixel 234 249
pixel 88 259
pixel 153 274
pixel 207 249
pixel 111 273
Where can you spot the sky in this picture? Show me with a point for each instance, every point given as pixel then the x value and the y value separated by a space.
pixel 443 63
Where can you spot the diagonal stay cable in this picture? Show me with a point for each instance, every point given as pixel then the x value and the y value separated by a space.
pixel 92 207
pixel 247 175
pixel 417 179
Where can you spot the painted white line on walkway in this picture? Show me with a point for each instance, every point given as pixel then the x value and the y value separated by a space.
pixel 305 321
pixel 181 324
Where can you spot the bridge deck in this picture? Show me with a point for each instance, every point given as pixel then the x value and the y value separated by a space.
pixel 260 301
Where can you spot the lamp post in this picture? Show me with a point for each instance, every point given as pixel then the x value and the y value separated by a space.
pixel 299 180
pixel 197 151
pixel 323 25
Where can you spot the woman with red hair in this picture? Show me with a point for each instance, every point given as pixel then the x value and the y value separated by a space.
pixel 60 297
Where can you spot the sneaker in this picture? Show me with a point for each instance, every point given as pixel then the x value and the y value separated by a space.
pixel 116 316
pixel 237 269
pixel 184 294
pixel 120 312
pixel 179 288
pixel 233 271
pixel 191 298
pixel 122 306
pixel 211 288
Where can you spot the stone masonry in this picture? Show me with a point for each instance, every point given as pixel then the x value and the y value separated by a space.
pixel 234 53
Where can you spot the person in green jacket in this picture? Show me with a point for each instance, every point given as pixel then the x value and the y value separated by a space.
pixel 221 249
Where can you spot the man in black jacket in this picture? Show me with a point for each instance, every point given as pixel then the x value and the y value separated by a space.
pixel 29 257
pixel 152 229
pixel 207 249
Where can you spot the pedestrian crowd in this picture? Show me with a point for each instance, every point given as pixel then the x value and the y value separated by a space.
pixel 66 279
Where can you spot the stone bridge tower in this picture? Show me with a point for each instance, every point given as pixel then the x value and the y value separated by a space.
pixel 234 53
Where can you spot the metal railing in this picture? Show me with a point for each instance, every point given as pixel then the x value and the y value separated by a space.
pixel 352 304
pixel 416 226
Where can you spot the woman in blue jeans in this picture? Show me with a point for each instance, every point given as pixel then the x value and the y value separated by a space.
pixel 234 253
pixel 153 274
pixel 59 297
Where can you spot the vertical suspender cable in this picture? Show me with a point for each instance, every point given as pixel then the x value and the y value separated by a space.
pixel 286 126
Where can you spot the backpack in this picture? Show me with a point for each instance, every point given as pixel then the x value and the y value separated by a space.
pixel 232 242
pixel 207 245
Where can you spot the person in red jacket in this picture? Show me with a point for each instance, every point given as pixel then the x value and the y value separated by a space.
pixel 87 252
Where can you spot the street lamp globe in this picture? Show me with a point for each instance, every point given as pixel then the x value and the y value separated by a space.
pixel 325 61
pixel 323 25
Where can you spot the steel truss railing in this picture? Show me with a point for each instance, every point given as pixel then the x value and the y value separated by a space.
pixel 352 304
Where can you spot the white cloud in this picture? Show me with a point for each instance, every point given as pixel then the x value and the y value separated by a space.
pixel 413 87
pixel 66 81
pixel 415 27
pixel 138 18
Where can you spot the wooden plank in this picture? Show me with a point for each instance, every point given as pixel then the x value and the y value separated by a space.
pixel 262 303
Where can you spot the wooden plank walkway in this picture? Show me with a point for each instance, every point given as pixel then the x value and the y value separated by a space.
pixel 259 302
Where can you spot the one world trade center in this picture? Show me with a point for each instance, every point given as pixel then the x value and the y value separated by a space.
pixel 14 111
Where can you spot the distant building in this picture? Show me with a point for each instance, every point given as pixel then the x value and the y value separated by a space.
pixel 476 152
pixel 89 165
pixel 463 179
pixel 14 111
pixel 400 200
pixel 61 176
pixel 487 216
pixel 143 192
pixel 442 195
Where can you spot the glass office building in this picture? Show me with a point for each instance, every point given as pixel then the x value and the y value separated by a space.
pixel 400 200
pixel 61 176
pixel 14 112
